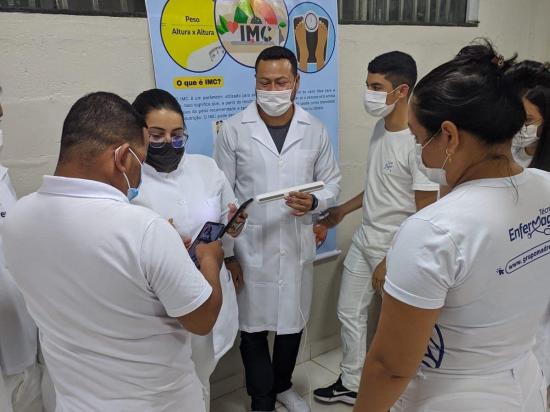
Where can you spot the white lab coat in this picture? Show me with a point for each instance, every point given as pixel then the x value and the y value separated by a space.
pixel 277 249
pixel 197 192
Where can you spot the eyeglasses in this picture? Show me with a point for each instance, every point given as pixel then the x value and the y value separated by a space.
pixel 177 140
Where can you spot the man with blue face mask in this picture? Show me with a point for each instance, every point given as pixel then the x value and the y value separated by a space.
pixel 118 295
pixel 271 145
pixel 395 189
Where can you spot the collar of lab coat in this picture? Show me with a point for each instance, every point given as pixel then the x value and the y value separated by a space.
pixel 260 133
pixel 73 187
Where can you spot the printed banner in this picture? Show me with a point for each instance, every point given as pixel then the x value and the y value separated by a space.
pixel 204 53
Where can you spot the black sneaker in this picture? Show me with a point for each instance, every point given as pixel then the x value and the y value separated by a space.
pixel 336 393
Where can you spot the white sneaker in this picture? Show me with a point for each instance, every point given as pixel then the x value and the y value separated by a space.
pixel 292 401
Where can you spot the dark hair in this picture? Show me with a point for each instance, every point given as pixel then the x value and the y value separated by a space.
pixel 397 67
pixel 528 74
pixel 96 122
pixel 470 91
pixel 156 99
pixel 278 53
pixel 540 97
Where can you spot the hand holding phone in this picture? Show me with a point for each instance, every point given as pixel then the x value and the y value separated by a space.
pixel 237 220
pixel 212 250
pixel 210 232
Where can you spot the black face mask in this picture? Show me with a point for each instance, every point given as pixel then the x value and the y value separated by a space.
pixel 164 159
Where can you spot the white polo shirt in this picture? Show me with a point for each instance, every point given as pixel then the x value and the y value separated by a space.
pixel 104 281
pixel 481 254
pixel 18 333
pixel 392 178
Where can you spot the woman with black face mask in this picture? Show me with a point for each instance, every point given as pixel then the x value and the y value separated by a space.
pixel 190 190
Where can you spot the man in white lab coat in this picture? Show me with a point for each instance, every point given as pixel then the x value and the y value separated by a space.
pixel 271 145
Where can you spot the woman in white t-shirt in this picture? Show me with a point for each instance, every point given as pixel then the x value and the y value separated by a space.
pixel 524 77
pixel 190 190
pixel 467 277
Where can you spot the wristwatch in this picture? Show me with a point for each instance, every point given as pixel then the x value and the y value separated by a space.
pixel 315 202
pixel 230 259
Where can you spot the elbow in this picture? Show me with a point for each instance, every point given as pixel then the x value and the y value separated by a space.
pixel 380 368
pixel 203 330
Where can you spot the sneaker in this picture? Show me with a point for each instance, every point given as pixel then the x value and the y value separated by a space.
pixel 292 401
pixel 336 393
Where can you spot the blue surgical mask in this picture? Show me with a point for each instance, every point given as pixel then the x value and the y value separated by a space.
pixel 132 192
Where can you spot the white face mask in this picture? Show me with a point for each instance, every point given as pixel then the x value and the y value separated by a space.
pixel 436 175
pixel 526 136
pixel 375 103
pixel 274 103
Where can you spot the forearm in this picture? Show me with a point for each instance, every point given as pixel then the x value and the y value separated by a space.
pixel 379 389
pixel 211 308
pixel 353 204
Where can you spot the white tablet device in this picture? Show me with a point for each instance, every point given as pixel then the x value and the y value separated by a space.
pixel 280 194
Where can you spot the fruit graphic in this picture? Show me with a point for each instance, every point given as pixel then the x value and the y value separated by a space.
pixel 240 16
pixel 222 27
pixel 243 12
pixel 232 26
pixel 263 9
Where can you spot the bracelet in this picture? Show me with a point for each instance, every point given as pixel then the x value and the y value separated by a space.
pixel 230 259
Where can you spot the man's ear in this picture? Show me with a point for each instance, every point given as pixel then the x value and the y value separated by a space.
pixel 404 91
pixel 121 157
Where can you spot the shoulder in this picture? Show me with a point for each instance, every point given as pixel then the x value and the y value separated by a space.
pixel 307 117
pixel 539 174
pixel 198 162
pixel 238 118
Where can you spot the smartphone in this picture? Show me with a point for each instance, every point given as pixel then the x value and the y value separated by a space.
pixel 210 232
pixel 232 224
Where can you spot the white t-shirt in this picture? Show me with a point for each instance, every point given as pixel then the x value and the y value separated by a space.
pixel 481 254
pixel 193 194
pixel 111 281
pixel 521 157
pixel 392 178
pixel 18 333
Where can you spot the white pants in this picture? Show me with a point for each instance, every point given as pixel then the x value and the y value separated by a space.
pixel 521 389
pixel 21 392
pixel 202 353
pixel 542 345
pixel 356 294
pixel 48 391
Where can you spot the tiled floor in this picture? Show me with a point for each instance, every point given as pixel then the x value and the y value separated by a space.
pixel 320 371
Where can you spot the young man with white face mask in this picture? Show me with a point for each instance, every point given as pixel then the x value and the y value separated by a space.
pixel 271 145
pixel 395 189
pixel 20 374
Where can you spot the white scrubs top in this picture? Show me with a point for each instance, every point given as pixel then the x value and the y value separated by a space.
pixel 392 178
pixel 197 192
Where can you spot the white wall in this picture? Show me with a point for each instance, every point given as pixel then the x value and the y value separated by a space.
pixel 48 61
